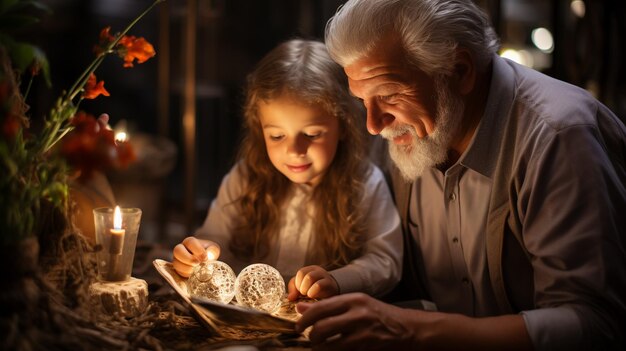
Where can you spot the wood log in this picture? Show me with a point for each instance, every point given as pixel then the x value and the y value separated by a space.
pixel 127 298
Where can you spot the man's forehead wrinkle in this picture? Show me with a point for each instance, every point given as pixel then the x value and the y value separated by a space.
pixel 367 70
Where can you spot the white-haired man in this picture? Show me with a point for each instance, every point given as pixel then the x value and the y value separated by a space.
pixel 513 196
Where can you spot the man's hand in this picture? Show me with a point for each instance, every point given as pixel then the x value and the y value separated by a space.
pixel 355 322
pixel 359 322
pixel 191 252
pixel 314 282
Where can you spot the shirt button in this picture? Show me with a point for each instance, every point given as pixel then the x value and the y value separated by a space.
pixel 452 196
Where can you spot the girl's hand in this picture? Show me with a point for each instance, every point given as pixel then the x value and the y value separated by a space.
pixel 191 252
pixel 314 282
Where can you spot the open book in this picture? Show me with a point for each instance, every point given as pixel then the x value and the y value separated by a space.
pixel 224 318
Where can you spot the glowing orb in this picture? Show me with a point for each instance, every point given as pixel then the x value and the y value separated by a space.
pixel 260 286
pixel 214 280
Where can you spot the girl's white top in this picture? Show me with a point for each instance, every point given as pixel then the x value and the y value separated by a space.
pixel 375 272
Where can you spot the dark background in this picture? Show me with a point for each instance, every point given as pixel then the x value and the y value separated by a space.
pixel 230 36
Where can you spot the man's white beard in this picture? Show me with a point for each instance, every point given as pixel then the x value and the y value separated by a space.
pixel 413 159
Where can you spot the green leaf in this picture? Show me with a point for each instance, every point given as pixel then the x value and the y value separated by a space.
pixel 23 55
pixel 43 174
pixel 56 193
pixel 41 60
pixel 7 161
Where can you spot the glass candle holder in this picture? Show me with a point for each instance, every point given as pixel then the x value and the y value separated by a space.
pixel 117 241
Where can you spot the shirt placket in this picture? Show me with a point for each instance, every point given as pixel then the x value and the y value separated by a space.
pixel 455 244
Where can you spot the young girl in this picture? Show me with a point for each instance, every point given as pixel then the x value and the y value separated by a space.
pixel 303 196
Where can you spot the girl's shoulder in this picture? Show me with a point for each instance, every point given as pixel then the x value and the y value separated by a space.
pixel 373 173
pixel 236 172
pixel 235 180
pixel 376 190
pixel 374 177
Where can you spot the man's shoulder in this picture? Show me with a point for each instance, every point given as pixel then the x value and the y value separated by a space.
pixel 540 98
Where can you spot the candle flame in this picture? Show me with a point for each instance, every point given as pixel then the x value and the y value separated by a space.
pixel 117 218
pixel 210 255
pixel 121 137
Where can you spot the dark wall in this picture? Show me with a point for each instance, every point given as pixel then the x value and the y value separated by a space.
pixel 232 35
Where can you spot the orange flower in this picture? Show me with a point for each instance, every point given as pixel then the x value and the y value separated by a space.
pixel 105 36
pixel 91 146
pixel 132 48
pixel 125 154
pixel 93 88
pixel 104 40
pixel 129 47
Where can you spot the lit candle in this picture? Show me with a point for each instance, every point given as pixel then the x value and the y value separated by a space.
pixel 120 132
pixel 117 233
pixel 116 244
pixel 121 136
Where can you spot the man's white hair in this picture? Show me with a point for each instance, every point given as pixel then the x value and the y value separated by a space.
pixel 429 30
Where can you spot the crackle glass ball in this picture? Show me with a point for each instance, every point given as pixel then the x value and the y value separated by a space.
pixel 260 286
pixel 214 280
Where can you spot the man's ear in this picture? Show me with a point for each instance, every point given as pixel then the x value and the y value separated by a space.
pixel 464 74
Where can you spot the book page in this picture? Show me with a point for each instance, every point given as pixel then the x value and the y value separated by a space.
pixel 222 318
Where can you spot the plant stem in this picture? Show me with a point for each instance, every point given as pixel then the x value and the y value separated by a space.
pixel 30 83
pixel 79 85
pixel 82 79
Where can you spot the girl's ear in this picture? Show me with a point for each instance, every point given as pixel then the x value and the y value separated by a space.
pixel 464 74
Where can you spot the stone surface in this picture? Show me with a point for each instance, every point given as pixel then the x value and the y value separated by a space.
pixel 128 298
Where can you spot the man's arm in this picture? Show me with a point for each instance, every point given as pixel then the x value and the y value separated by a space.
pixel 357 321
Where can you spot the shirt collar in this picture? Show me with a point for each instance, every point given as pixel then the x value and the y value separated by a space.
pixel 483 150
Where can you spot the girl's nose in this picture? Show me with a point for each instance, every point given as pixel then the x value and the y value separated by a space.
pixel 298 146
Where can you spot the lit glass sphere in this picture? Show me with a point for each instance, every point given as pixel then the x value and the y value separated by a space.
pixel 213 280
pixel 260 286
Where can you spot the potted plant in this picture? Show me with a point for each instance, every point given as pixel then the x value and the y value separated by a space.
pixel 38 164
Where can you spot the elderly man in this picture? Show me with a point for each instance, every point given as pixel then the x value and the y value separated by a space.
pixel 513 197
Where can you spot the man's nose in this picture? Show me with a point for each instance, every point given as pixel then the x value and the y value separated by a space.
pixel 377 119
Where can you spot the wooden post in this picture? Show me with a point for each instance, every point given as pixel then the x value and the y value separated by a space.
pixel 189 114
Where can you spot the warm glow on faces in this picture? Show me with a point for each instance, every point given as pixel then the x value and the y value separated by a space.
pixel 419 115
pixel 423 153
pixel 300 139
pixel 393 92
